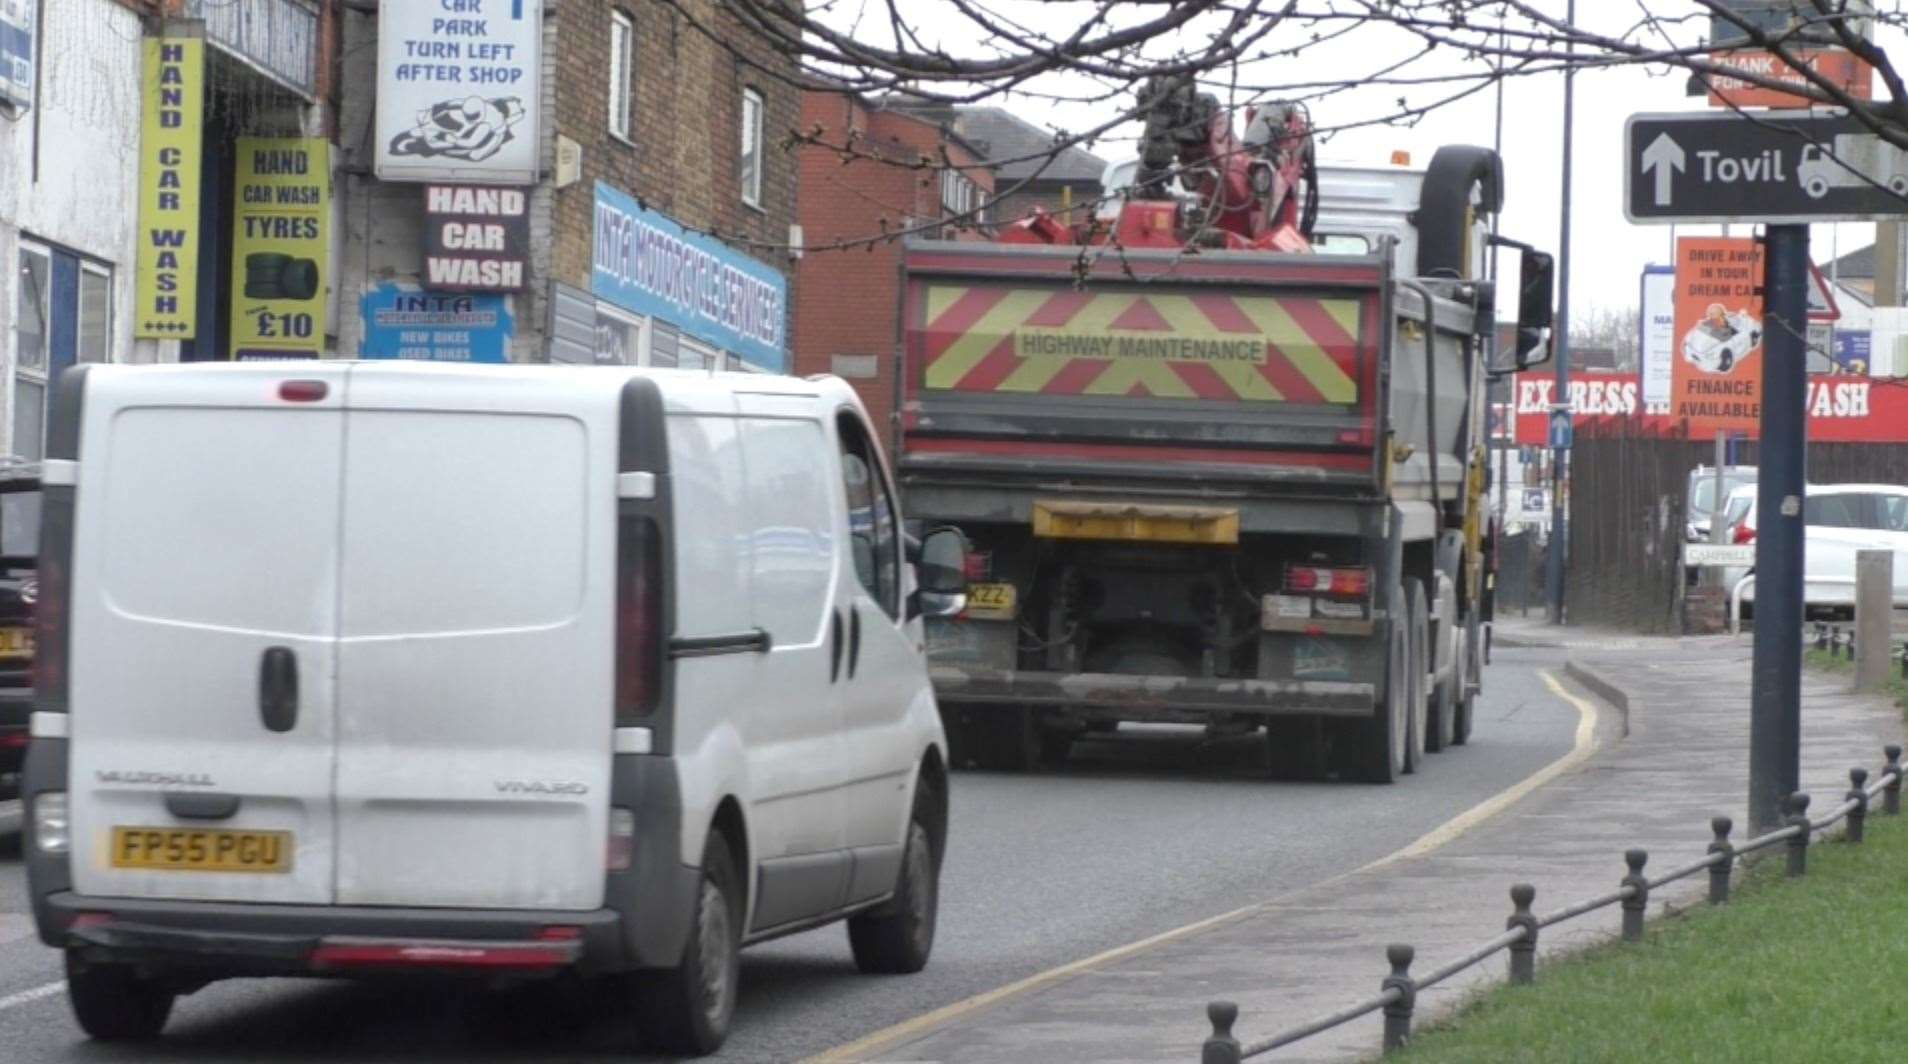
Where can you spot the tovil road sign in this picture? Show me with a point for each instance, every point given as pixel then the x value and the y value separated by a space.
pixel 1777 167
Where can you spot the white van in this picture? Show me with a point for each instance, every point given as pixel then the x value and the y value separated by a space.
pixel 354 668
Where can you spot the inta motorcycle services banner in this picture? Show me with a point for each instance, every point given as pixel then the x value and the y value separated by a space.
pixel 1717 381
pixel 280 247
pixel 459 91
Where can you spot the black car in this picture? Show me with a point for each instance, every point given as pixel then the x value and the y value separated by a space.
pixel 19 585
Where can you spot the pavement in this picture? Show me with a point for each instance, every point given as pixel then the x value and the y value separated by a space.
pixel 1140 834
pixel 1311 951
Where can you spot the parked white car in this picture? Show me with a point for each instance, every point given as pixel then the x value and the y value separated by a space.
pixel 1838 521
pixel 371 669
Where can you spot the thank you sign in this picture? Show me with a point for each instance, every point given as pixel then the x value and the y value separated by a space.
pixel 459 90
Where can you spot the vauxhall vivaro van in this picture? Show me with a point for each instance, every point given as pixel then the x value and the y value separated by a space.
pixel 353 668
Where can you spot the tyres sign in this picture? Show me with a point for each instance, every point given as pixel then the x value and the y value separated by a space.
pixel 280 244
pixel 458 91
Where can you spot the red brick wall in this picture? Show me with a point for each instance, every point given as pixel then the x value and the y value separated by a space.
pixel 848 299
pixel 683 154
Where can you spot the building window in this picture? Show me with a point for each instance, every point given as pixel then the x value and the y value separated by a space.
pixel 32 338
pixel 621 72
pixel 961 198
pixel 751 147
pixel 95 314
pixel 619 337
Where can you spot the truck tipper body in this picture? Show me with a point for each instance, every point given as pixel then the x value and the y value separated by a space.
pixel 1236 488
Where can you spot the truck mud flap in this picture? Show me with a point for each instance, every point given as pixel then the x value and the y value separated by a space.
pixel 1159 697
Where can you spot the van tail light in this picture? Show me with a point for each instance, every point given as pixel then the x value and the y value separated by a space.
pixel 52 826
pixel 14 740
pixel 639 620
pixel 622 840
pixel 1743 533
pixel 48 669
pixel 1349 583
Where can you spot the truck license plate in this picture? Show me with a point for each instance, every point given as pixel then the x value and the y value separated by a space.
pixel 202 849
pixel 991 602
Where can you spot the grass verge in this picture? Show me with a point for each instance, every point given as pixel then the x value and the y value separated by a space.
pixel 1896 688
pixel 1791 970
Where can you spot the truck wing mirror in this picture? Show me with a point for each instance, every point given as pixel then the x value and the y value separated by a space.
pixel 1536 285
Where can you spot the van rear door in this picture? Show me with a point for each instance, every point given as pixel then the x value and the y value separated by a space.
pixel 204 608
pixel 476 653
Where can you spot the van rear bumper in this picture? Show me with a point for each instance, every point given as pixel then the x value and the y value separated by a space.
pixel 1164 698
pixel 220 939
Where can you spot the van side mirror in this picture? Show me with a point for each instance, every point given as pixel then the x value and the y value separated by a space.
pixel 941 570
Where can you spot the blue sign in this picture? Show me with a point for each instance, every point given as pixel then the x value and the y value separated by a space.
pixel 1853 350
pixel 16 53
pixel 403 321
pixel 1560 430
pixel 647 263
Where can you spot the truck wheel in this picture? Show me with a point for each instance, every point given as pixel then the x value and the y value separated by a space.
pixel 1381 746
pixel 1476 651
pixel 1439 722
pixel 896 938
pixel 1055 746
pixel 113 1003
pixel 687 1009
pixel 1419 629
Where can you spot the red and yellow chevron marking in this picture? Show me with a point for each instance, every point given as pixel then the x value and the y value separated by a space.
pixel 1258 348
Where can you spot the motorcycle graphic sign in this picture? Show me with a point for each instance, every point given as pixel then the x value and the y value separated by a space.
pixel 459 94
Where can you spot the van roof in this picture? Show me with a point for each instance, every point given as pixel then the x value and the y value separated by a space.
pixel 681 388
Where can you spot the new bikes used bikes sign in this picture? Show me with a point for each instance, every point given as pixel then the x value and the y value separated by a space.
pixel 459 92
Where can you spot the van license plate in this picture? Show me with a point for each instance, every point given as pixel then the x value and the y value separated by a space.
pixel 991 602
pixel 16 642
pixel 202 850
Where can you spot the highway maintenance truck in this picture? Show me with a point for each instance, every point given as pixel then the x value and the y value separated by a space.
pixel 1220 457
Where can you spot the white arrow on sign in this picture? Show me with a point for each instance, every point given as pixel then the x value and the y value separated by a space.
pixel 1666 157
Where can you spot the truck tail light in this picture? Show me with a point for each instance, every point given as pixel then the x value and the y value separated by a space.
pixel 639 621
pixel 1348 583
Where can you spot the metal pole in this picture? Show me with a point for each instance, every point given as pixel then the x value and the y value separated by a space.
pixel 1775 721
pixel 1559 529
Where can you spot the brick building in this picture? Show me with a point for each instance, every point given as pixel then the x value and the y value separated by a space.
pixel 659 227
pixel 1027 172
pixel 848 298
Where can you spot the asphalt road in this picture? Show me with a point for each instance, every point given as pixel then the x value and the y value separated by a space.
pixel 1139 834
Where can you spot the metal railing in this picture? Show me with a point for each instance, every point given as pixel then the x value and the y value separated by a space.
pixel 1839 641
pixel 1398 991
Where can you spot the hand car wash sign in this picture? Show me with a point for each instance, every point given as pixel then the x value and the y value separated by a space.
pixel 459 90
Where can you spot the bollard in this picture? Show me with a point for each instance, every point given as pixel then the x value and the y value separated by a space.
pixel 1719 872
pixel 1891 792
pixel 1821 636
pixel 1857 793
pixel 1222 1047
pixel 1639 899
pixel 1799 842
pixel 1523 952
pixel 1398 1013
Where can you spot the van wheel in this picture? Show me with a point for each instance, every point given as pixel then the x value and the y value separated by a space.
pixel 896 938
pixel 687 1009
pixel 113 1003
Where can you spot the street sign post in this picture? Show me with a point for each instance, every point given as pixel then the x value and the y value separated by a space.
pixel 1777 167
